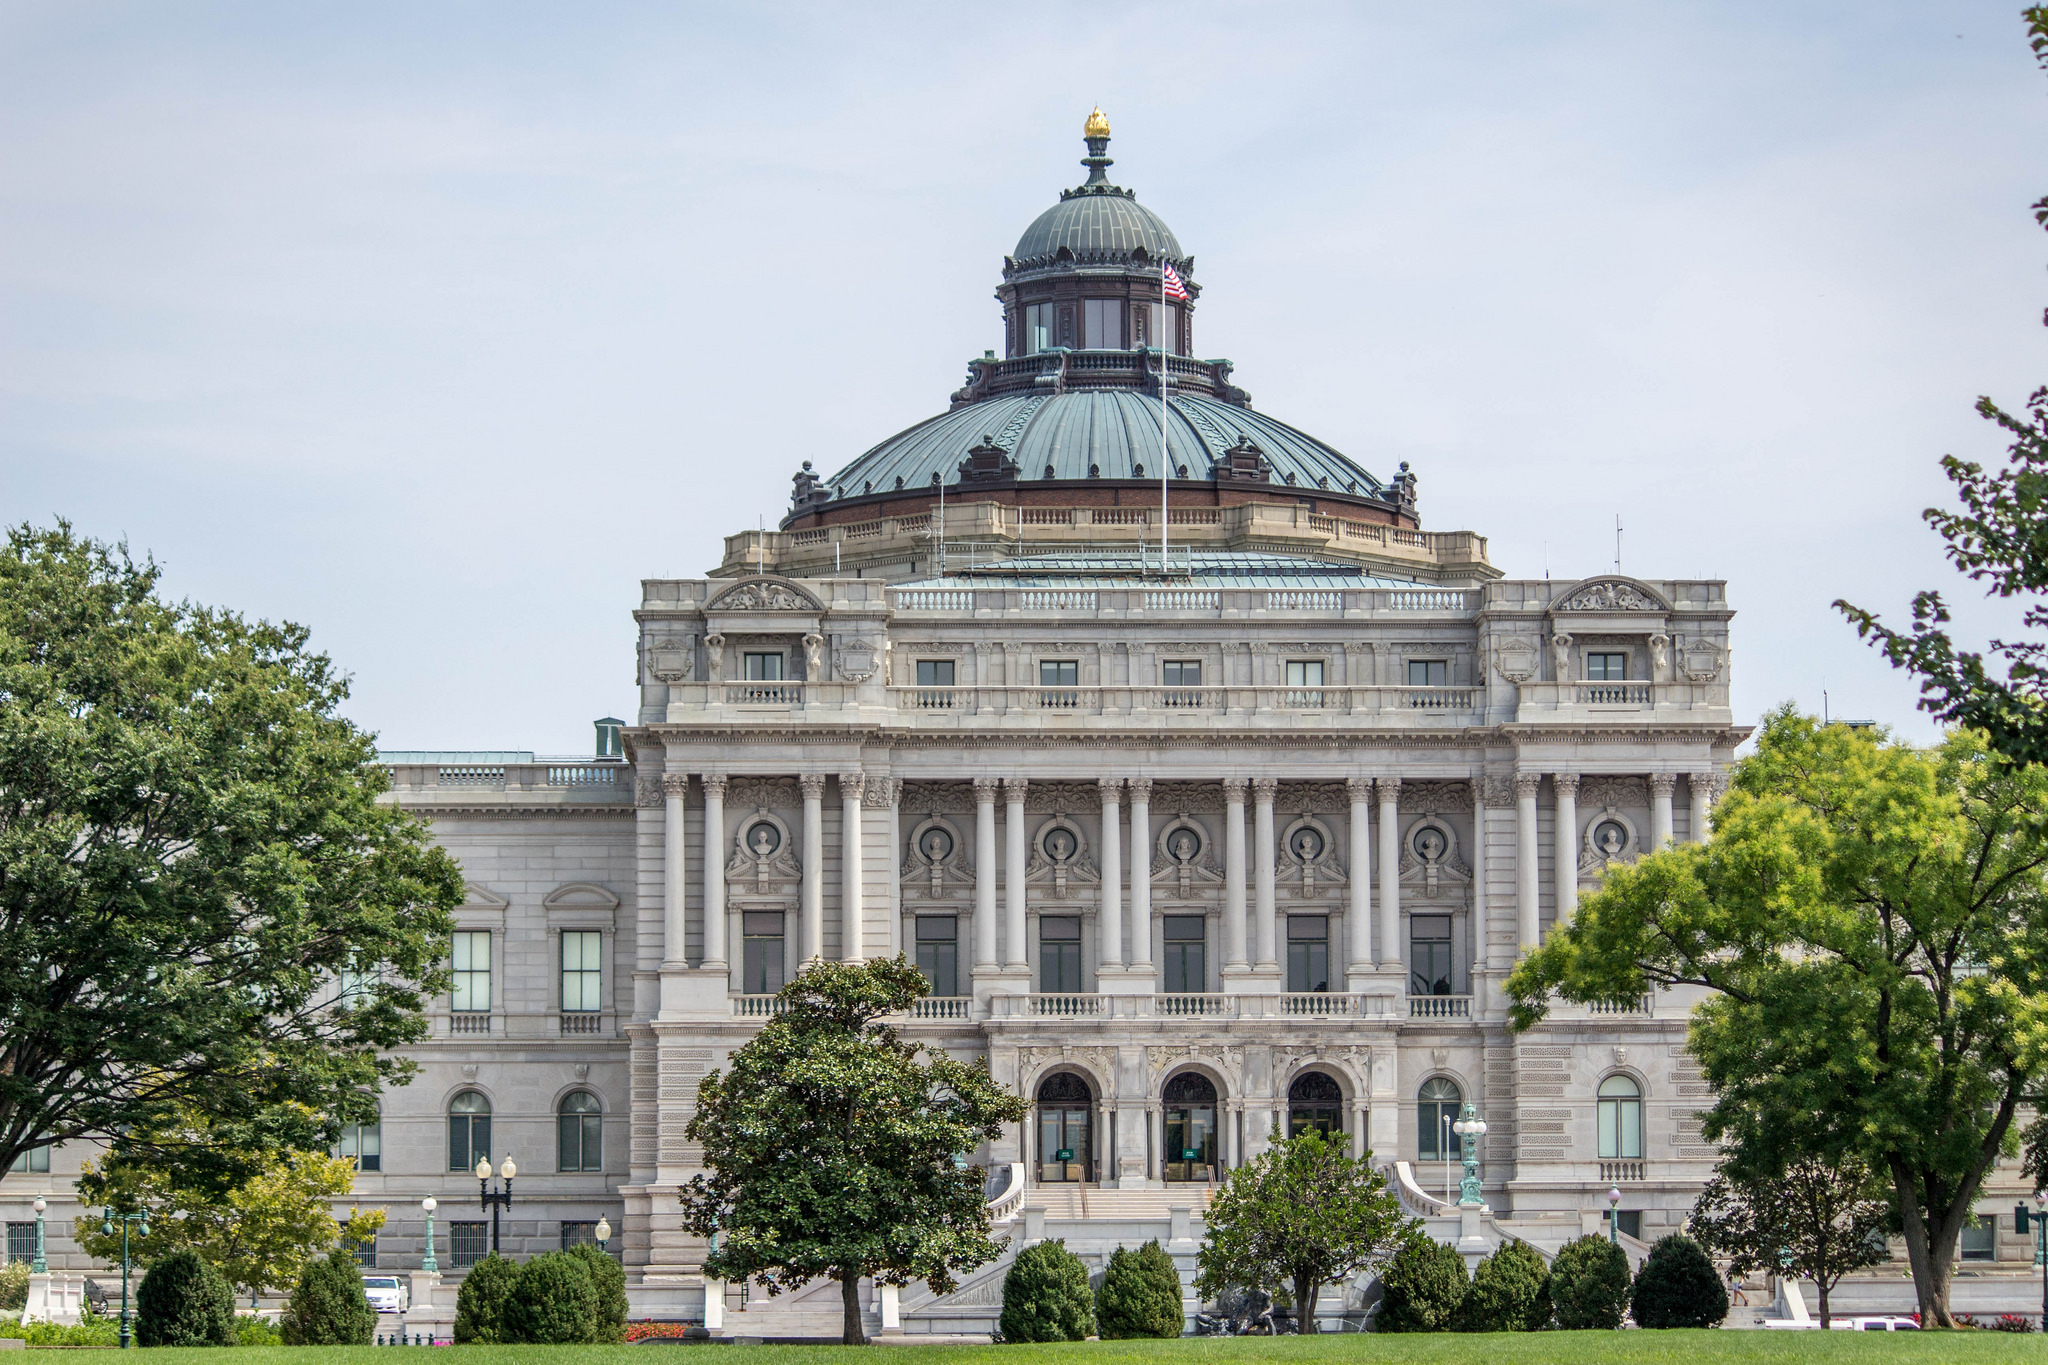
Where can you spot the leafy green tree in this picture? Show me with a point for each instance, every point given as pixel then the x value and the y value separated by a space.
pixel 1870 923
pixel 328 1306
pixel 1422 1288
pixel 1999 539
pixel 608 1278
pixel 261 1234
pixel 1589 1284
pixel 1302 1212
pixel 832 1145
pixel 1820 1217
pixel 481 1301
pixel 553 1303
pixel 183 1301
pixel 1140 1295
pixel 1677 1287
pixel 1510 1292
pixel 1046 1296
pixel 193 854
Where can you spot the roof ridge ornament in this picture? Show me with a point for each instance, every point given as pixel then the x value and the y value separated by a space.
pixel 1096 133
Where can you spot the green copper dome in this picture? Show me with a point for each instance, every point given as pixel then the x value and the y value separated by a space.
pixel 1096 226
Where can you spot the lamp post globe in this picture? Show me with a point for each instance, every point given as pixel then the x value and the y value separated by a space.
pixel 1614 1214
pixel 507 1169
pixel 483 1168
pixel 494 1200
pixel 603 1231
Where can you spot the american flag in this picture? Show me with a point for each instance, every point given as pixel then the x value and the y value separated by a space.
pixel 1172 287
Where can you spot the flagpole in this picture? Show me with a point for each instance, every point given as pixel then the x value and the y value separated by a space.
pixel 1165 459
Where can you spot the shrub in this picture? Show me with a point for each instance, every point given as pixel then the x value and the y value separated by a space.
pixel 327 1306
pixel 14 1286
pixel 183 1301
pixel 1678 1287
pixel 1424 1286
pixel 1510 1292
pixel 608 1277
pixel 553 1303
pixel 91 1330
pixel 1046 1296
pixel 480 1303
pixel 1140 1294
pixel 1589 1285
pixel 254 1330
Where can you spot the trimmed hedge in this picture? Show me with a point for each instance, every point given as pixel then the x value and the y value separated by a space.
pixel 1589 1284
pixel 1510 1292
pixel 553 1303
pixel 1422 1288
pixel 184 1301
pixel 1678 1287
pixel 1140 1295
pixel 328 1307
pixel 1046 1296
pixel 480 1303
pixel 608 1277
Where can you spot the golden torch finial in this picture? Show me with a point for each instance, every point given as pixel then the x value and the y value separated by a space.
pixel 1097 124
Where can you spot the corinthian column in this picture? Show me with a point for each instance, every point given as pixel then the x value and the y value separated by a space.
pixel 850 918
pixel 985 871
pixel 1015 850
pixel 1264 924
pixel 1701 785
pixel 714 872
pixel 1565 855
pixel 1109 920
pixel 1661 785
pixel 1390 873
pixel 1528 908
pixel 1358 928
pixel 1481 928
pixel 1141 875
pixel 1234 959
pixel 674 788
pixel 811 897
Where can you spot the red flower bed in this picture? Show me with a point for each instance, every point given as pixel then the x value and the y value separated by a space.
pixel 656 1331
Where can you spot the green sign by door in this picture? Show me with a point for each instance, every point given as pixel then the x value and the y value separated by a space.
pixel 1063 1154
pixel 1190 1154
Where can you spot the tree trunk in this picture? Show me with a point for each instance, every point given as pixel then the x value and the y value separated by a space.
pixel 1305 1291
pixel 1822 1285
pixel 854 1333
pixel 1930 1251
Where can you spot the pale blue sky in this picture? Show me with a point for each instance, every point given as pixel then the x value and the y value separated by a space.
pixel 437 327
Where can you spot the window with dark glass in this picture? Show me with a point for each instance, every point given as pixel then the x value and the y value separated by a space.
pixel 469 1131
pixel 1314 1102
pixel 1181 677
pixel 1429 955
pixel 1189 1101
pixel 21 1242
pixel 1436 1109
pixel 761 962
pixel 580 1133
pixel 1066 1111
pixel 938 952
pixel 1308 952
pixel 1428 672
pixel 1980 1240
pixel 472 964
pixel 1621 1118
pixel 364 1252
pixel 1606 668
pixel 1058 673
pixel 1059 955
pixel 1102 324
pixel 467 1243
pixel 1187 967
pixel 1304 672
pixel 1629 1222
pixel 363 1143
pixel 582 970
pixel 578 1234
pixel 763 667
pixel 934 672
pixel 1039 321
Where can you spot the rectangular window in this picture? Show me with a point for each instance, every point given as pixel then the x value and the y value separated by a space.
pixel 761 964
pixel 1102 322
pixel 1304 672
pixel 1429 672
pixel 472 961
pixel 363 1143
pixel 1429 955
pixel 1308 952
pixel 1629 1222
pixel 1181 672
pixel 1187 967
pixel 1038 327
pixel 467 1243
pixel 1980 1240
pixel 364 1252
pixel 1607 668
pixel 764 667
pixel 1058 673
pixel 21 1242
pixel 36 1160
pixel 579 1235
pixel 582 974
pixel 938 952
pixel 1059 955
pixel 1145 330
pixel 934 672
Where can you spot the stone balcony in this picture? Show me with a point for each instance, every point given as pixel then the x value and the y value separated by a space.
pixel 545 783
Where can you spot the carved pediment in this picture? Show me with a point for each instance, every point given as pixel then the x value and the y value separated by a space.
pixel 764 594
pixel 1610 595
pixel 580 896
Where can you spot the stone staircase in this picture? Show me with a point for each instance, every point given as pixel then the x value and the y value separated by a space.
pixel 1080 1203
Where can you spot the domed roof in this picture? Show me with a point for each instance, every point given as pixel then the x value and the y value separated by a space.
pixel 1088 224
pixel 1098 434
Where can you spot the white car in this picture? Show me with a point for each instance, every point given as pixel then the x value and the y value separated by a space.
pixel 1887 1323
pixel 386 1293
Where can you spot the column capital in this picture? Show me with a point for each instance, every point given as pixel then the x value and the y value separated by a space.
pixel 1110 788
pixel 1714 784
pixel 850 785
pixel 1565 784
pixel 1662 784
pixel 1233 790
pixel 1265 788
pixel 1014 788
pixel 675 784
pixel 714 785
pixel 985 790
pixel 1390 790
pixel 1526 783
pixel 1359 789
pixel 1141 789
pixel 813 785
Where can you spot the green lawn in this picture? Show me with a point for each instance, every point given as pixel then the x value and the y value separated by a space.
pixel 1563 1348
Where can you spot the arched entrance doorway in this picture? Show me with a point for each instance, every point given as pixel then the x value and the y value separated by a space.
pixel 1190 1104
pixel 1065 1112
pixel 1314 1102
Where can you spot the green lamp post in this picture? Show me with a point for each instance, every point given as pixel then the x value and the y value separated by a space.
pixel 140 1222
pixel 40 1265
pixel 1469 1128
pixel 427 1262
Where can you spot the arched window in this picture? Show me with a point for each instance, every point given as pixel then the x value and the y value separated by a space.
pixel 469 1130
pixel 1190 1103
pixel 1436 1108
pixel 1314 1102
pixel 1621 1118
pixel 1066 1111
pixel 580 1133
pixel 363 1143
